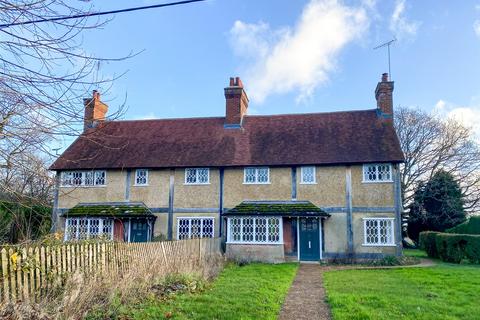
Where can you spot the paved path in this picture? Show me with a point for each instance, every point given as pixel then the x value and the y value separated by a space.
pixel 306 297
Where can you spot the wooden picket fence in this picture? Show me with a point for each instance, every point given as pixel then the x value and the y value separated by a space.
pixel 28 272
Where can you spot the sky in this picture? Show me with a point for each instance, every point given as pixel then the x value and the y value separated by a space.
pixel 293 56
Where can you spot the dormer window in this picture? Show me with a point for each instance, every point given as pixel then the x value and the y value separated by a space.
pixel 377 172
pixel 141 177
pixel 197 176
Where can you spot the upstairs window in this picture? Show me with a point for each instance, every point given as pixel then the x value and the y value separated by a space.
pixel 197 176
pixel 141 177
pixel 83 178
pixel 378 231
pixel 307 175
pixel 256 175
pixel 377 172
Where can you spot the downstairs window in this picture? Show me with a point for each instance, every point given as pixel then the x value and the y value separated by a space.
pixel 256 230
pixel 195 227
pixel 88 228
pixel 378 231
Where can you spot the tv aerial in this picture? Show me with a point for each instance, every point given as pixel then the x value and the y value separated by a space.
pixel 383 45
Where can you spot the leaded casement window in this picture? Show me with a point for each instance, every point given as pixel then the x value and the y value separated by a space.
pixel 377 172
pixel 141 177
pixel 307 175
pixel 378 231
pixel 197 176
pixel 256 175
pixel 195 227
pixel 88 228
pixel 256 230
pixel 83 178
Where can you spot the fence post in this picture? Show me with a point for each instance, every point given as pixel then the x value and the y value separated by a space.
pixel 6 289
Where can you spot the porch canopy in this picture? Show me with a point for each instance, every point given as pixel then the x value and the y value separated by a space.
pixel 277 208
pixel 110 210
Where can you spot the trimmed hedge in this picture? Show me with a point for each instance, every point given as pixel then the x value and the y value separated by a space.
pixel 471 226
pixel 451 247
pixel 427 243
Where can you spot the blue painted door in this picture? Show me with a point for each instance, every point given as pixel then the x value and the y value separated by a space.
pixel 139 231
pixel 309 239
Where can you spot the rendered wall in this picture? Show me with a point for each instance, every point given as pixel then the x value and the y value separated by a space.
pixel 196 195
pixel 252 252
pixel 335 233
pixel 155 194
pixel 358 234
pixel 235 191
pixel 329 190
pixel 370 194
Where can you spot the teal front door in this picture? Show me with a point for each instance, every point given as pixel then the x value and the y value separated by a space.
pixel 309 239
pixel 139 231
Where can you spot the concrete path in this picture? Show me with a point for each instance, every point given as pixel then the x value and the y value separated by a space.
pixel 306 297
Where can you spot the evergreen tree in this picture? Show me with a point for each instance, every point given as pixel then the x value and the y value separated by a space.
pixel 437 205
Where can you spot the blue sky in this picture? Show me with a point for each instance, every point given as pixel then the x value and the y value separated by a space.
pixel 293 56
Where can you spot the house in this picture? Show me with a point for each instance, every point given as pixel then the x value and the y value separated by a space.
pixel 280 187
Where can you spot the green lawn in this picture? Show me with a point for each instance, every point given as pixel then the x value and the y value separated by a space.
pixel 445 291
pixel 254 291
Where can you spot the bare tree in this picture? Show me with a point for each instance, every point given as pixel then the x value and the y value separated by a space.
pixel 431 144
pixel 44 75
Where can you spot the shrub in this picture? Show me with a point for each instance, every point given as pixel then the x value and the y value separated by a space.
pixel 458 247
pixel 471 226
pixel 428 243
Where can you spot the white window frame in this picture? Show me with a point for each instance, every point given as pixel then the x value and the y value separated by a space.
pixel 379 244
pixel 197 176
pixel 364 173
pixel 189 219
pixel 83 178
pixel 302 181
pixel 102 223
pixel 256 175
pixel 137 171
pixel 242 241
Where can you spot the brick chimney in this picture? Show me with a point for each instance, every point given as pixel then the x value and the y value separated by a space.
pixel 384 96
pixel 95 111
pixel 236 103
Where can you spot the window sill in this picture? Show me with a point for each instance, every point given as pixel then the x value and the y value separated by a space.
pixel 254 183
pixel 196 184
pixel 307 183
pixel 141 185
pixel 386 181
pixel 73 187
pixel 256 243
pixel 378 245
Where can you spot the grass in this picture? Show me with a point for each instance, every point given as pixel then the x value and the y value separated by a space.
pixel 254 291
pixel 415 253
pixel 445 291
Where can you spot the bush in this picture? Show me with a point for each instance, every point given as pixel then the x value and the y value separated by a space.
pixel 457 248
pixel 428 243
pixel 471 226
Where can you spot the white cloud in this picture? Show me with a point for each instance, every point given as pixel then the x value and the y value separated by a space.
pixel 476 27
pixel 298 58
pixel 468 116
pixel 399 24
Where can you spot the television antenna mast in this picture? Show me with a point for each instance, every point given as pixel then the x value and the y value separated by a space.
pixel 383 45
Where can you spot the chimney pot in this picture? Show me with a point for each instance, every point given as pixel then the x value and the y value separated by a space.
pixel 385 77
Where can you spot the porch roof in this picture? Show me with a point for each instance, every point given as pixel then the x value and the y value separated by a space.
pixel 277 208
pixel 110 209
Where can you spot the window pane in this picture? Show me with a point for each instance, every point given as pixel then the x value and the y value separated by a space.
pixel 273 230
pixel 371 231
pixel 261 230
pixel 77 178
pixel 247 229
pixel 308 174
pixel 235 229
pixel 262 175
pixel 100 178
pixel 203 175
pixel 89 178
pixel 250 175
pixel 67 178
pixel 383 172
pixel 190 176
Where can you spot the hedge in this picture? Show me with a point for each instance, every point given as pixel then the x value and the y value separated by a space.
pixel 471 226
pixel 451 247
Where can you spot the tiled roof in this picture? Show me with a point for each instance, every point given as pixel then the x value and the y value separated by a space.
pixel 295 139
pixel 277 208
pixel 109 209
